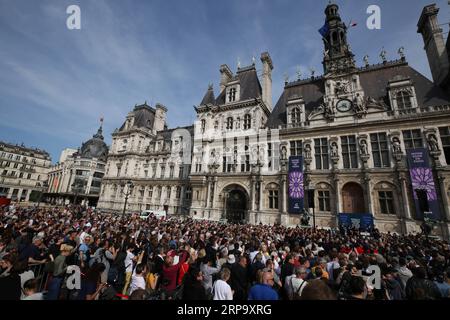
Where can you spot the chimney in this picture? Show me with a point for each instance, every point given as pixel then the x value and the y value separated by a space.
pixel 225 76
pixel 434 42
pixel 160 118
pixel 267 79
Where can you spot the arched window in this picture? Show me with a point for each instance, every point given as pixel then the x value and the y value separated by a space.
pixel 229 123
pixel 295 116
pixel 247 121
pixel 403 100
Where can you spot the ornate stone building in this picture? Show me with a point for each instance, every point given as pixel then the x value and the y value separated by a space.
pixel 23 172
pixel 354 126
pixel 152 159
pixel 78 175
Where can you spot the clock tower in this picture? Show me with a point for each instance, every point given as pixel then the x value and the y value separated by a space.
pixel 338 57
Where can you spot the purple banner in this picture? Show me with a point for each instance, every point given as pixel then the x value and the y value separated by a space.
pixel 296 190
pixel 423 186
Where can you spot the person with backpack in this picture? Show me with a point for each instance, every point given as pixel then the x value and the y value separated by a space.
pixel 297 283
pixel 104 254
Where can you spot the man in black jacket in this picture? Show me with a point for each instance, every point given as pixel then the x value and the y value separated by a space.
pixel 239 280
pixel 419 287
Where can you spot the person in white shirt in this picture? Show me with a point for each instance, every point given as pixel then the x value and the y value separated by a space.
pixel 222 290
pixel 138 278
pixel 128 267
pixel 298 283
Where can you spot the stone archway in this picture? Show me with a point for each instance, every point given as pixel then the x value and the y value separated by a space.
pixel 353 198
pixel 236 204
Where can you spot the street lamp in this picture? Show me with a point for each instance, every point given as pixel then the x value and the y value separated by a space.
pixel 127 193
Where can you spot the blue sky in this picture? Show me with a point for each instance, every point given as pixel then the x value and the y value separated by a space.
pixel 56 83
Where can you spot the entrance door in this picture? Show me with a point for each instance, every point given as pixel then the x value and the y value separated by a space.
pixel 236 206
pixel 353 198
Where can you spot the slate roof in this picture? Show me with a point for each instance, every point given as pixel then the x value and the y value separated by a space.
pixel 374 81
pixel 94 148
pixel 249 83
pixel 144 117
pixel 209 97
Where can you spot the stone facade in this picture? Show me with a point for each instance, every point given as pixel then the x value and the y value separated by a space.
pixel 78 175
pixel 155 159
pixel 23 172
pixel 353 126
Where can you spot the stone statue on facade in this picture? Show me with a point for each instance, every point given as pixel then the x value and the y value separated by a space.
pixel 308 151
pixel 433 143
pixel 396 145
pixel 334 150
pixel 283 153
pixel 363 147
pixel 360 106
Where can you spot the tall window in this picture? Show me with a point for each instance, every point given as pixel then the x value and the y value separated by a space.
pixel 445 139
pixel 403 100
pixel 247 121
pixel 169 192
pixel 229 123
pixel 178 194
pixel 412 139
pixel 150 192
pixel 203 125
pixel 296 148
pixel 273 199
pixel 321 153
pixel 171 172
pixel 159 192
pixel 324 200
pixel 295 116
pixel 188 193
pixel 154 170
pixel 181 172
pixel 349 152
pixel 163 169
pixel 386 202
pixel 269 155
pixel 380 150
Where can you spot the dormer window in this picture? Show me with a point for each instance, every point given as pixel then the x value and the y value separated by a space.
pixel 402 95
pixel 232 95
pixel 232 92
pixel 296 116
pixel 229 123
pixel 403 100
pixel 247 121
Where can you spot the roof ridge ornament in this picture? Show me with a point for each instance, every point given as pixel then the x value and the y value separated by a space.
pixel 383 54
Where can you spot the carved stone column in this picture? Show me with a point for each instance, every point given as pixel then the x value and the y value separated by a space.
pixel 444 196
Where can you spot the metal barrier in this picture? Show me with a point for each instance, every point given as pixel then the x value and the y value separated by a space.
pixel 41 275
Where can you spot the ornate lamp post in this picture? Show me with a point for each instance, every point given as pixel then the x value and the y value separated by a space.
pixel 127 193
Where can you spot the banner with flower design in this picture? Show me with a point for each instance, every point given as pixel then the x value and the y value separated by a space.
pixel 296 190
pixel 422 181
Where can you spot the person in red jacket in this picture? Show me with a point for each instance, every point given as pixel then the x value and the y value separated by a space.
pixel 170 271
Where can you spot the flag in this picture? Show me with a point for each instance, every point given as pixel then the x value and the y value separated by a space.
pixel 324 30
pixel 352 24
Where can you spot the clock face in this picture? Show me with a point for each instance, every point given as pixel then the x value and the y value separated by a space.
pixel 344 105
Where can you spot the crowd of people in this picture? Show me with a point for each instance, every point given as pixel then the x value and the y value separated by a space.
pixel 127 257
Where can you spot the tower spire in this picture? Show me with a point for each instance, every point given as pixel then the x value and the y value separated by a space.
pixel 338 57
